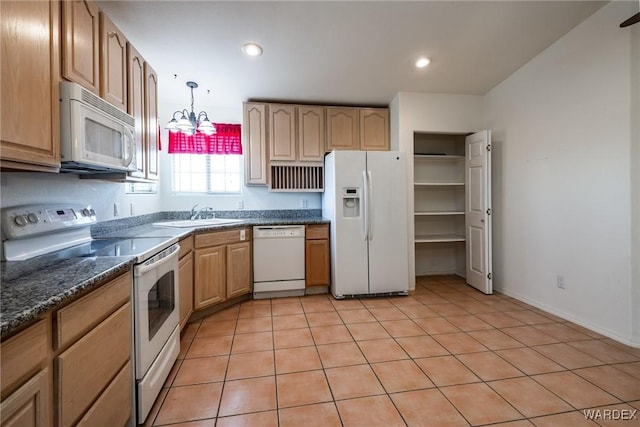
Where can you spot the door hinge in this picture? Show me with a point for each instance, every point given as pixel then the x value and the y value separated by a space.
pixel 489 276
pixel 488 147
pixel 489 211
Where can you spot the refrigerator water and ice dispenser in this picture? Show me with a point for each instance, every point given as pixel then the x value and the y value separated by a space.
pixel 351 202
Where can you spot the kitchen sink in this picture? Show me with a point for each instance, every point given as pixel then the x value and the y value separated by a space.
pixel 192 223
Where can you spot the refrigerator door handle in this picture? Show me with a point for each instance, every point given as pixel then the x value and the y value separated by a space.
pixel 365 210
pixel 369 205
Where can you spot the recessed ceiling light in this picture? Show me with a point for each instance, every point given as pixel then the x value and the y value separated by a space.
pixel 252 49
pixel 423 62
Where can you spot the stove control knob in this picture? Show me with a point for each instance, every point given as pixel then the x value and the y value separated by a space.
pixel 33 218
pixel 20 221
pixel 86 212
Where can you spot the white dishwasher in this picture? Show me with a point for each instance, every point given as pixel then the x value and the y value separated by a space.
pixel 278 261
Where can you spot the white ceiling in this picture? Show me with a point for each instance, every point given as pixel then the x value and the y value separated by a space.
pixel 338 52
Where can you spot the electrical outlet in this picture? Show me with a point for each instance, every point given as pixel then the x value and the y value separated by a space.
pixel 116 209
pixel 131 210
pixel 240 204
pixel 304 203
pixel 561 282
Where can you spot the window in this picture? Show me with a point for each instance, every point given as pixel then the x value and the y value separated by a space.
pixel 205 173
pixel 202 163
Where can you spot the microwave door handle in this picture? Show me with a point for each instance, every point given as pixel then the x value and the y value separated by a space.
pixel 132 147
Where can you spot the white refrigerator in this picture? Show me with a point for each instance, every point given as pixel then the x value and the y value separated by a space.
pixel 365 197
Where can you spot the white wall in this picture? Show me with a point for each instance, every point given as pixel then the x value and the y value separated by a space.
pixel 562 177
pixel 428 112
pixel 20 188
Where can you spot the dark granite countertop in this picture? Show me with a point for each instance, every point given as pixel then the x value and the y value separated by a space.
pixel 29 289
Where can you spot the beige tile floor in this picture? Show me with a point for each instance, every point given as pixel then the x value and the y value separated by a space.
pixel 447 355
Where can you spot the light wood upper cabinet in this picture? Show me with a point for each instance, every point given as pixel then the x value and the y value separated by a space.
pixel 310 133
pixel 238 269
pixel 342 128
pixel 282 132
pixel 151 123
pixel 255 143
pixel 29 85
pixel 135 104
pixel 80 47
pixel 113 63
pixel 374 129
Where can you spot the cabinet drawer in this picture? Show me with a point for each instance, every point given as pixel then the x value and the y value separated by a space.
pixel 89 365
pixel 220 238
pixel 113 407
pixel 23 354
pixel 186 246
pixel 319 231
pixel 81 315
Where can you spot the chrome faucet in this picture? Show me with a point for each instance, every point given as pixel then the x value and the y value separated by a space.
pixel 203 213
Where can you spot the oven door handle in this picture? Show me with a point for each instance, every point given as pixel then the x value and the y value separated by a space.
pixel 157 260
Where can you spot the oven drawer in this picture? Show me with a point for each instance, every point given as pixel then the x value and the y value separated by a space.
pixel 89 365
pixel 80 316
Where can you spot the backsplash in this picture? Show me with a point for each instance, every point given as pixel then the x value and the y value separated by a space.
pixel 107 226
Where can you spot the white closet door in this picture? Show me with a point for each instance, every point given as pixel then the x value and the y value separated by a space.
pixel 478 210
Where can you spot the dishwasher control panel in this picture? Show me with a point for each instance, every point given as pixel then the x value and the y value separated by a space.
pixel 286 231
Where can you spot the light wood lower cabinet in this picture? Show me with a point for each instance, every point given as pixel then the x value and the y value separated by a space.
pixel 317 255
pixel 29 405
pixel 91 364
pixel 92 371
pixel 238 269
pixel 26 377
pixel 210 276
pixel 185 274
pixel 81 351
pixel 222 266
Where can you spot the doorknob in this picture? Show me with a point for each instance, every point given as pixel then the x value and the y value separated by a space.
pixel 482 220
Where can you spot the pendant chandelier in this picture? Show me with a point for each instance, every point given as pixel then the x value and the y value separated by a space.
pixel 189 123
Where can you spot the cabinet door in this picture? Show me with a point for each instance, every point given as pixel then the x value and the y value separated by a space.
pixel 185 274
pixel 310 133
pixel 210 277
pixel 317 262
pixel 29 405
pixel 83 370
pixel 81 43
pixel 238 269
pixel 135 107
pixel 113 64
pixel 151 122
pixel 342 129
pixel 255 138
pixel 374 129
pixel 29 85
pixel 282 132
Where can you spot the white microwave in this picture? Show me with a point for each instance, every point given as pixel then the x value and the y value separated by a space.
pixel 95 136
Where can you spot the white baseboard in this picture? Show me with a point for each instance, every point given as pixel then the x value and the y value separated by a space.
pixel 582 322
